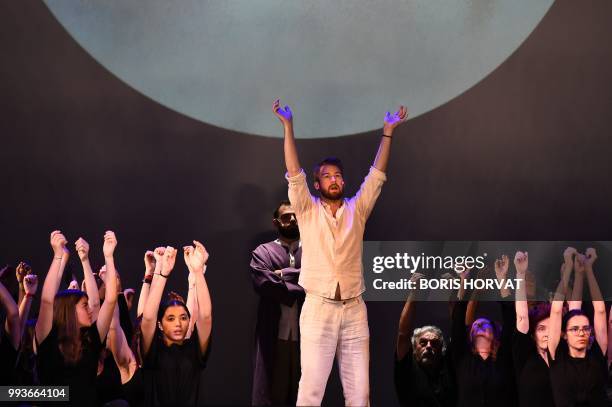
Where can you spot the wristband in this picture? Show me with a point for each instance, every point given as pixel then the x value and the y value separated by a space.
pixel 29 295
pixel 147 279
pixel 384 135
pixel 160 274
pixel 58 258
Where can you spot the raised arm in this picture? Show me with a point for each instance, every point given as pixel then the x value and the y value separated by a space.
pixel 118 344
pixel 291 156
pixel 149 315
pixel 93 296
pixel 21 271
pixel 406 322
pixel 556 309
pixel 197 257
pixel 574 296
pixel 152 265
pixel 30 286
pixel 501 273
pixel 384 148
pixel 12 324
pixel 521 262
pixel 599 306
pixel 51 285
pixel 110 297
pixel 192 301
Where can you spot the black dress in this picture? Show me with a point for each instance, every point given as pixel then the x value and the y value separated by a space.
pixel 133 389
pixel 9 357
pixel 414 386
pixel 172 373
pixel 81 377
pixel 483 382
pixel 532 373
pixel 579 382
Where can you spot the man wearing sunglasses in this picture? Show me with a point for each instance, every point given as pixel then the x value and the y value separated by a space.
pixel 334 321
pixel 275 269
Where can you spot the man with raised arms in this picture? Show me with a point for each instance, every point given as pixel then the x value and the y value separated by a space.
pixel 334 319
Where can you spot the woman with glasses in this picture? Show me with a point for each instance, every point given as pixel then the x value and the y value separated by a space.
pixel 578 371
pixel 482 356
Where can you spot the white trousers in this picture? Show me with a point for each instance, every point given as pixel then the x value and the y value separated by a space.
pixel 331 328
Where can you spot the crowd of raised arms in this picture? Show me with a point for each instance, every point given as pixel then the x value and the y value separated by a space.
pixel 541 354
pixel 547 353
pixel 85 338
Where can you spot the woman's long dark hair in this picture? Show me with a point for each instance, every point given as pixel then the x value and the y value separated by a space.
pixel 65 321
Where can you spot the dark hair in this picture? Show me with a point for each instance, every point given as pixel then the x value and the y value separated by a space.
pixel 136 341
pixel 569 315
pixel 284 202
pixel 327 161
pixel 172 301
pixel 538 313
pixel 65 321
pixel 497 332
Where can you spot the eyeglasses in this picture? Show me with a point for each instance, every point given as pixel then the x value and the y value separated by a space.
pixel 287 218
pixel 580 329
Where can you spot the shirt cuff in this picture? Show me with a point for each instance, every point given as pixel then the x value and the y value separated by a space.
pixel 297 179
pixel 378 174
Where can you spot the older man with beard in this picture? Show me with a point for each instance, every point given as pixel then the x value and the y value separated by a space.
pixel 275 268
pixel 423 377
pixel 334 321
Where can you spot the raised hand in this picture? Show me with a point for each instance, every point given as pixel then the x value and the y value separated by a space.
pixel 501 267
pixel 521 261
pixel 579 263
pixel 30 284
pixel 21 271
pixel 568 255
pixel 158 254
pixel 285 115
pixel 102 273
pixel 591 257
pixel 187 252
pixel 110 243
pixel 168 260
pixel 414 280
pixel 392 120
pixel 58 244
pixel 149 261
pixel 82 248
pixel 200 256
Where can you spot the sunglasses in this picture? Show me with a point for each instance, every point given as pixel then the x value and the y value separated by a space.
pixel 287 217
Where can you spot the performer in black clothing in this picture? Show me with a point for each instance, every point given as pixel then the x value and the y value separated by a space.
pixel 423 375
pixel 275 270
pixel 578 373
pixel 68 343
pixel 529 345
pixel 482 357
pixel 10 335
pixel 172 361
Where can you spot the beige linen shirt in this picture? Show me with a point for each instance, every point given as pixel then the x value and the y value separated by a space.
pixel 332 246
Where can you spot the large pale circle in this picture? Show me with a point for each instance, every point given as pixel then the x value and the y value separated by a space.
pixel 340 64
